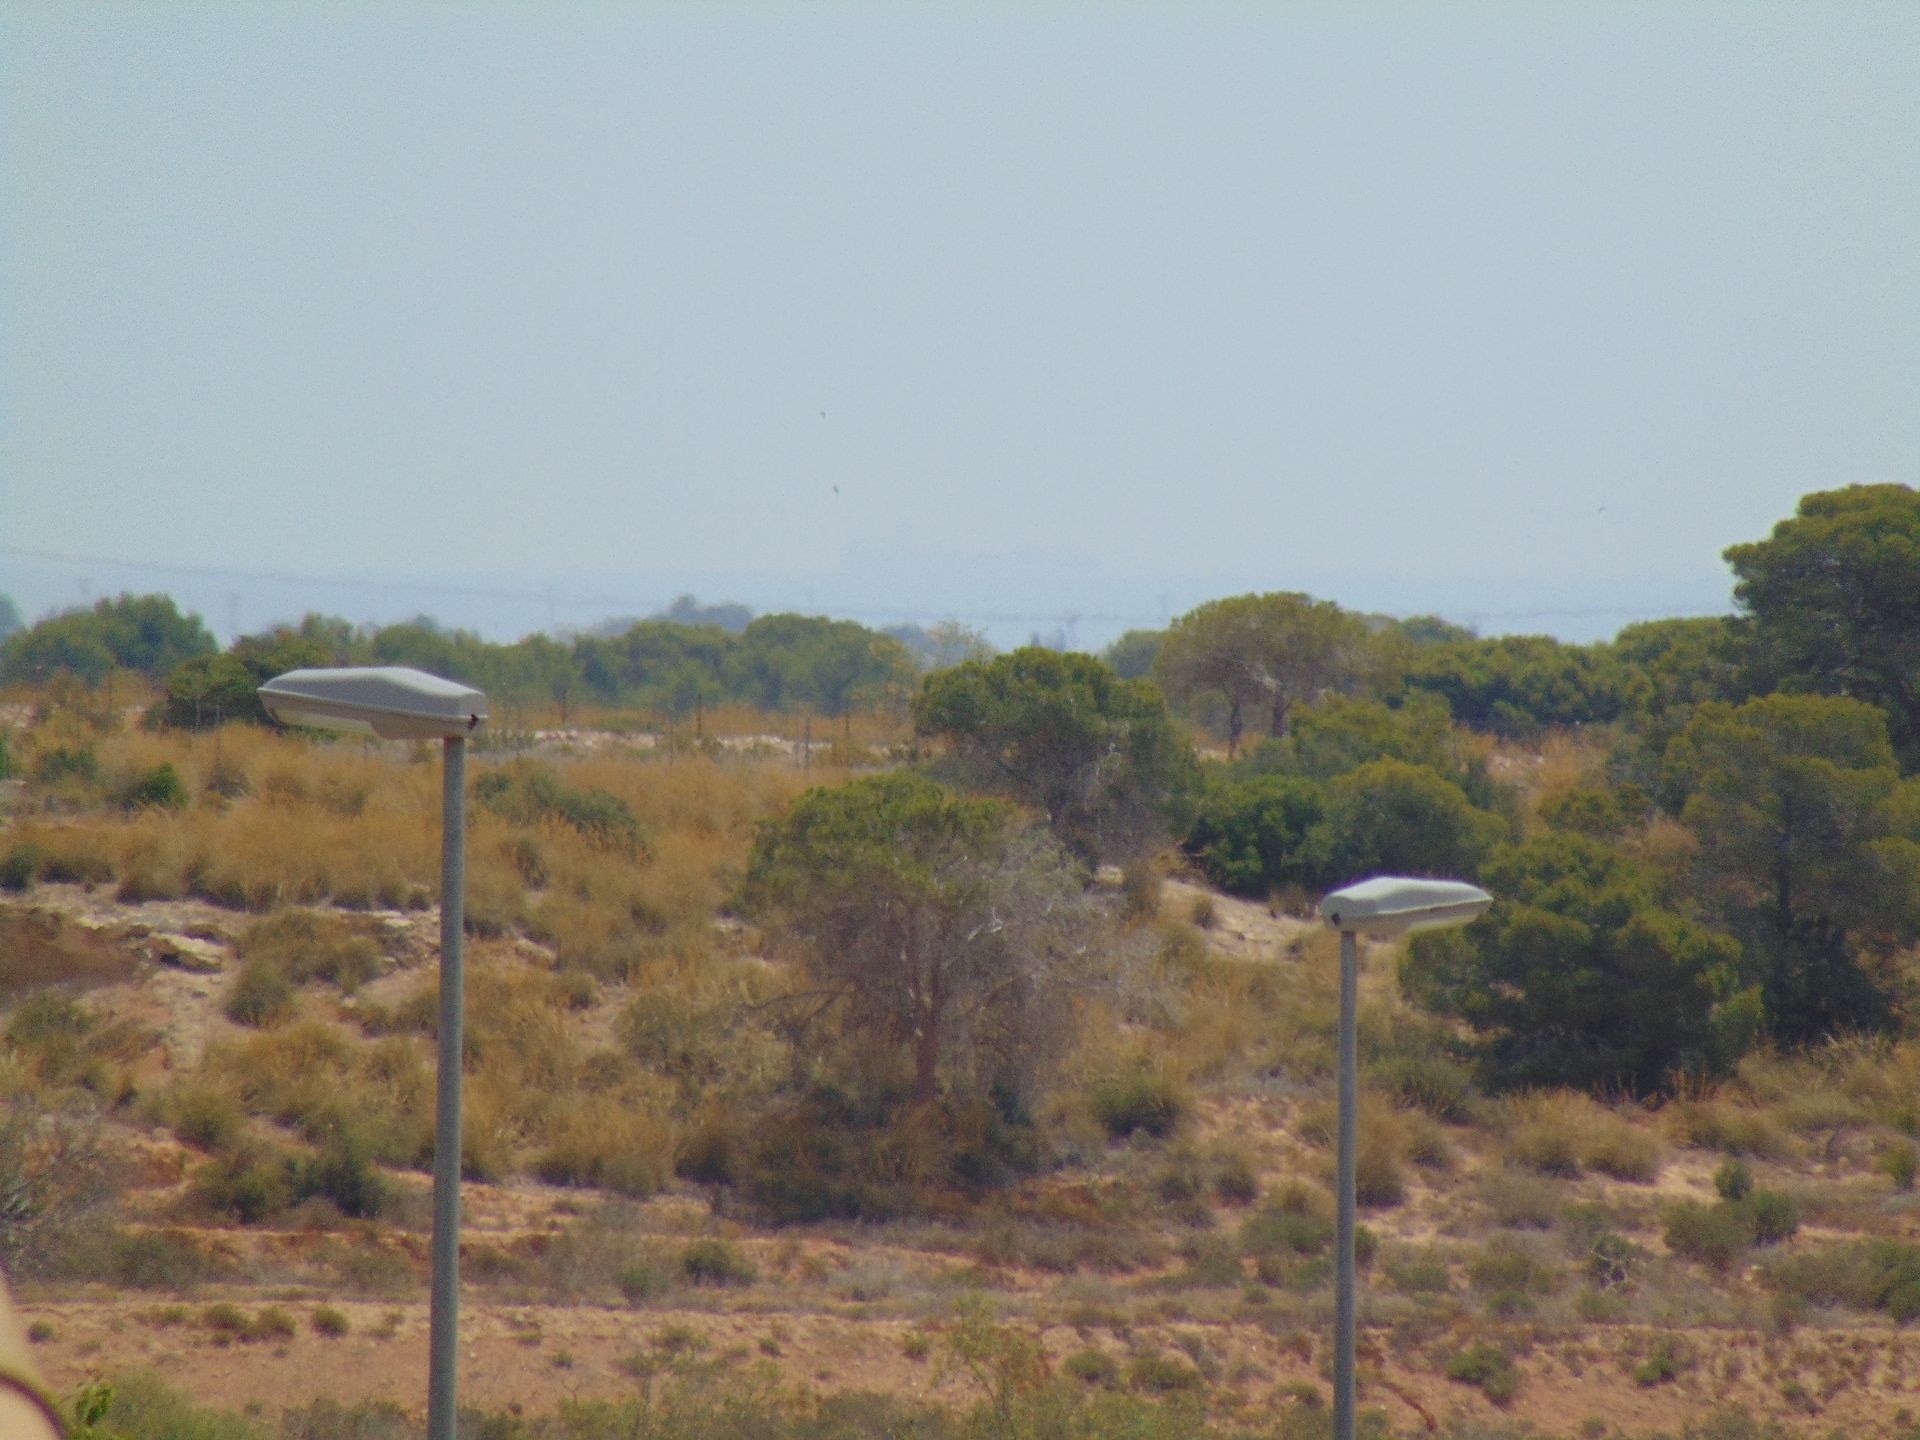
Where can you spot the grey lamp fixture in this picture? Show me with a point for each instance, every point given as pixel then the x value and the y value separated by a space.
pixel 1381 908
pixel 397 703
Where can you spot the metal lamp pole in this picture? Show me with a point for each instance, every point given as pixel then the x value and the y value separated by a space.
pixel 1382 908
pixel 443 1340
pixel 398 703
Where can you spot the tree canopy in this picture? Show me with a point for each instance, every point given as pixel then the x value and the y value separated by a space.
pixel 1578 977
pixel 946 926
pixel 145 633
pixel 1261 655
pixel 1807 850
pixel 1097 755
pixel 1832 601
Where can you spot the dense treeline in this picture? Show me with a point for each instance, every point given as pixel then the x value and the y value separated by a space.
pixel 1744 866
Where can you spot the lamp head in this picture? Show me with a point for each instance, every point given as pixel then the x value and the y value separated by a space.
pixel 1391 905
pixel 393 702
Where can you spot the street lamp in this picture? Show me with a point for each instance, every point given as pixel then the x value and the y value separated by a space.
pixel 1382 908
pixel 398 703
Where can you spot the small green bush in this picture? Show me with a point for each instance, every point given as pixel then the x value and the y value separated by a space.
pixel 22 866
pixel 1093 1367
pixel 159 788
pixel 1900 1163
pixel 715 1262
pixel 1139 1100
pixel 1716 1236
pixel 328 1321
pixel 1160 1374
pixel 1771 1216
pixel 1732 1181
pixel 1488 1367
pixel 261 994
pixel 1665 1363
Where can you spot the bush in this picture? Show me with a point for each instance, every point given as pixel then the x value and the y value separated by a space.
pixel 715 1262
pixel 310 945
pixel 21 866
pixel 1093 1367
pixel 1716 1236
pixel 1899 1163
pixel 1142 1100
pixel 1732 1181
pixel 261 994
pixel 159 788
pixel 329 1322
pixel 1160 1374
pixel 1771 1217
pixel 1490 1368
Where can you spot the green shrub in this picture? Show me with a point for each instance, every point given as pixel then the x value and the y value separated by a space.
pixel 1669 1358
pixel 1716 1236
pixel 1160 1374
pixel 21 866
pixel 64 762
pixel 1488 1367
pixel 328 1321
pixel 204 1115
pixel 1139 1100
pixel 1771 1216
pixel 715 1262
pixel 249 1184
pixel 261 994
pixel 528 794
pixel 310 945
pixel 1900 1163
pixel 159 788
pixel 1509 1264
pixel 1732 1181
pixel 1093 1367
pixel 1295 1221
pixel 343 1173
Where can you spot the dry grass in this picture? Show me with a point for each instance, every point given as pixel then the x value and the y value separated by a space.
pixel 1563 1134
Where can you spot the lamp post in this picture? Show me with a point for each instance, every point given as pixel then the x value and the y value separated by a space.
pixel 1381 908
pixel 398 703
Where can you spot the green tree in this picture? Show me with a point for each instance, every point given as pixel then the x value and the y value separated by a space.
pixel 1261 654
pixel 1806 850
pixel 1061 732
pixel 146 633
pixel 942 925
pixel 10 620
pixel 1394 818
pixel 1131 657
pixel 1250 830
pixel 1519 685
pixel 1832 601
pixel 1578 977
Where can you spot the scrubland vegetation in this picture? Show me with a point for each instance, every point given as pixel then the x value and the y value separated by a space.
pixel 988 1031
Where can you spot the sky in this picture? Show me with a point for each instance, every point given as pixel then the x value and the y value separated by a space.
pixel 1050 319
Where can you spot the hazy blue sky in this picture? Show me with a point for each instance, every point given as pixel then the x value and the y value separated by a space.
pixel 526 314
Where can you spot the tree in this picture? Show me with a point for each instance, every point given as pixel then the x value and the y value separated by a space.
pixel 1261 653
pixel 1395 818
pixel 942 925
pixel 10 620
pixel 1807 850
pixel 1061 732
pixel 146 633
pixel 1131 656
pixel 1832 601
pixel 1578 977
pixel 942 646
pixel 1251 831
pixel 1519 685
